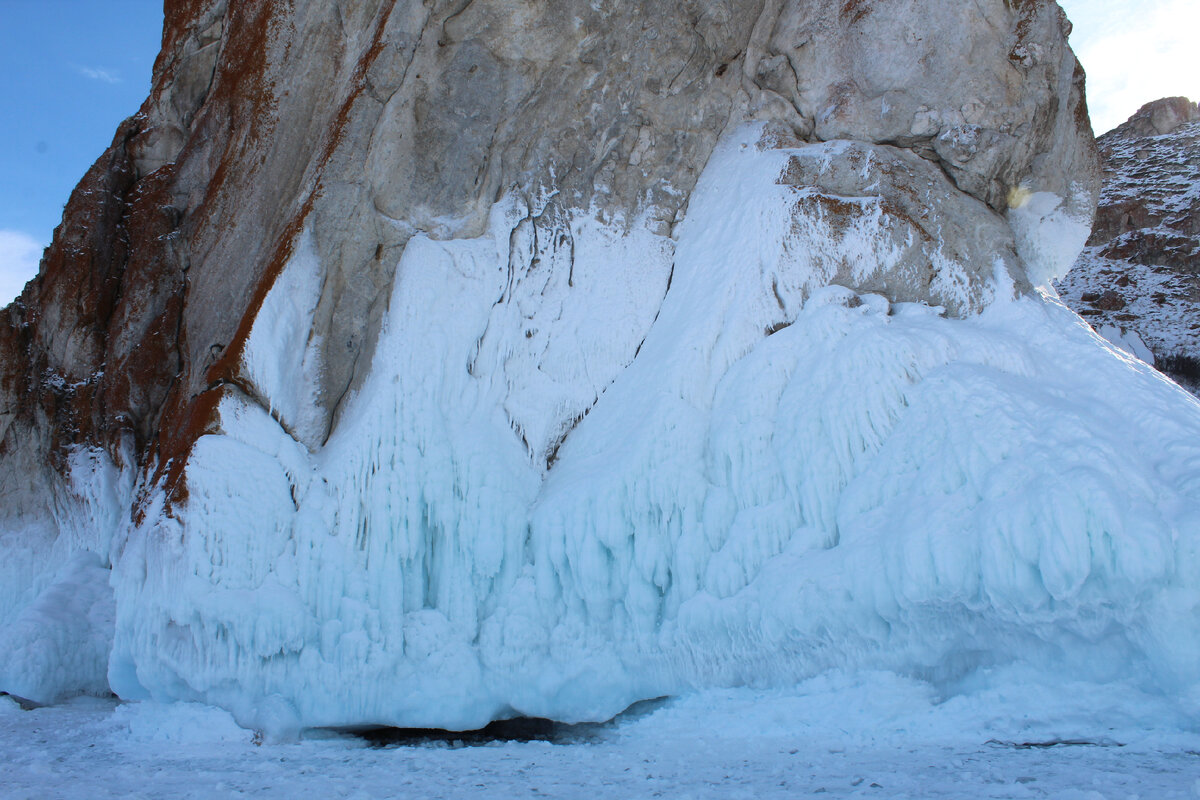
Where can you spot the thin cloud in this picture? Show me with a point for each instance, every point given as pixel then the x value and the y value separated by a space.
pixel 19 257
pixel 1134 53
pixel 97 74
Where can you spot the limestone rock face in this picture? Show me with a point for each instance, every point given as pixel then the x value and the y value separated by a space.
pixel 370 121
pixel 1138 280
pixel 884 73
pixel 1156 118
pixel 941 246
pixel 501 183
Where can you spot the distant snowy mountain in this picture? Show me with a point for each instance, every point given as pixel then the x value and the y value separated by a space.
pixel 425 364
pixel 1138 280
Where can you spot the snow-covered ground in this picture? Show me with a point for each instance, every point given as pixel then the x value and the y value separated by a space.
pixel 839 735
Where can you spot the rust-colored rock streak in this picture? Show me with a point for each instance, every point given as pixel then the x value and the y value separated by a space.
pixel 130 331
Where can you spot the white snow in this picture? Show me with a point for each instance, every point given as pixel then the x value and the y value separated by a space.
pixel 788 478
pixel 1158 311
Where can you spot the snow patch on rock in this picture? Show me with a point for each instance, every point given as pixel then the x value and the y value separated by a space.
pixel 281 357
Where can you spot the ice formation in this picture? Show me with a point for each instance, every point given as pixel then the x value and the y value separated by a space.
pixel 763 476
pixel 55 597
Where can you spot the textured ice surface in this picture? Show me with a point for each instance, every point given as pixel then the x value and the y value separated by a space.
pixel 56 605
pixel 58 645
pixel 762 478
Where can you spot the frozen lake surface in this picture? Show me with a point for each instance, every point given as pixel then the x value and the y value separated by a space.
pixel 872 735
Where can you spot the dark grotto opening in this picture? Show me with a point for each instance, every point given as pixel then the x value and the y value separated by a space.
pixel 515 729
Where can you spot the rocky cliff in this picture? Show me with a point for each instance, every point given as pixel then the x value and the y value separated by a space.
pixel 1138 279
pixel 434 362
pixel 368 122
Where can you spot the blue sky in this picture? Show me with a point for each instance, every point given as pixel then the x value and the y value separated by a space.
pixel 70 71
pixel 73 69
pixel 1135 51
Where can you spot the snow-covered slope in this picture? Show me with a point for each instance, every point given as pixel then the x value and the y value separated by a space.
pixel 1138 280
